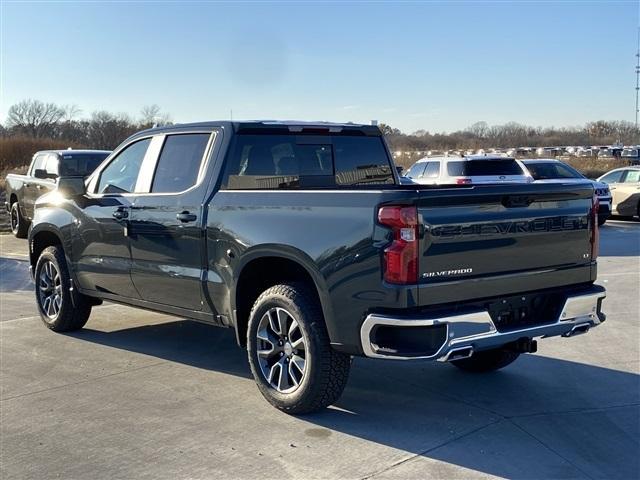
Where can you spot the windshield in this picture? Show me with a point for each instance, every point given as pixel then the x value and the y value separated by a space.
pixel 81 163
pixel 551 170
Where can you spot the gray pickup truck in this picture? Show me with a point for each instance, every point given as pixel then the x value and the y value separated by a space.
pixel 301 238
pixel 46 166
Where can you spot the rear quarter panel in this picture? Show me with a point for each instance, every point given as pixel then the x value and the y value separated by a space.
pixel 332 234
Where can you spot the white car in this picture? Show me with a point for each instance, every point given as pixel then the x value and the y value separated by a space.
pixel 550 169
pixel 625 188
pixel 468 170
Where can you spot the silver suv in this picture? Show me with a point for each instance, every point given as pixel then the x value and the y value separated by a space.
pixel 468 170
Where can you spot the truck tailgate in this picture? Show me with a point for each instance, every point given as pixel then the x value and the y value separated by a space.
pixel 502 239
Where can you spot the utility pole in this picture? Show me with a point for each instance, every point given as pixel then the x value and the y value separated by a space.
pixel 637 76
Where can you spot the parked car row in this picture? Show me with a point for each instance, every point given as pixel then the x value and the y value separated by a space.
pixel 630 153
pixel 621 197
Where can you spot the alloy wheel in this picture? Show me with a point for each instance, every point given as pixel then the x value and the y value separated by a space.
pixel 281 350
pixel 15 219
pixel 50 290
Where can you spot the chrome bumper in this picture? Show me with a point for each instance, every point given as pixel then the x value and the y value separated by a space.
pixel 476 331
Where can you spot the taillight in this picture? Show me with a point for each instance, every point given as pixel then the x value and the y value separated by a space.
pixel 401 257
pixel 595 231
pixel 463 181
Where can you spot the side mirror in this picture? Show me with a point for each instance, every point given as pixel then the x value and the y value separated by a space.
pixel 72 186
pixel 43 174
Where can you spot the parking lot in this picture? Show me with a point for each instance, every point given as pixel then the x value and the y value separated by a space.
pixel 139 394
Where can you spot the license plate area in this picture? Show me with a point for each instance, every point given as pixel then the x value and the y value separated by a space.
pixel 527 310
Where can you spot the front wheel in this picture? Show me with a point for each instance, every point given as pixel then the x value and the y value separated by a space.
pixel 19 226
pixel 290 356
pixel 487 360
pixel 53 293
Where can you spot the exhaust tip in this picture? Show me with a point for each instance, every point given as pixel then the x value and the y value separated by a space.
pixel 578 330
pixel 459 354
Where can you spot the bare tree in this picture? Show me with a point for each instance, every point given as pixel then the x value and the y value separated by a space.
pixel 106 130
pixel 34 118
pixel 152 115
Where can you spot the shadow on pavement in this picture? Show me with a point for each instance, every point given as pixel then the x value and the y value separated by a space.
pixel 620 239
pixel 586 414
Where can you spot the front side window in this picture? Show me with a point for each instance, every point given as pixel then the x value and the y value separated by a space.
pixel 179 162
pixel 121 174
pixel 417 170
pixel 613 177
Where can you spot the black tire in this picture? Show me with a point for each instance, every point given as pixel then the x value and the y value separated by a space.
pixel 70 314
pixel 325 370
pixel 19 226
pixel 487 360
pixel 601 221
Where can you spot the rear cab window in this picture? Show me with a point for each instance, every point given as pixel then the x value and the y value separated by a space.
pixel 475 168
pixel 80 163
pixel 294 161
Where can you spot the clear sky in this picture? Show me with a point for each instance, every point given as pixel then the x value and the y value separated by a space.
pixel 438 66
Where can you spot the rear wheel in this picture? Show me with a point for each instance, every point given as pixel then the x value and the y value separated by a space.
pixel 19 226
pixel 290 356
pixel 487 360
pixel 53 293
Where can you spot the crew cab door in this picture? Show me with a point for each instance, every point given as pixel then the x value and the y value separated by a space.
pixel 165 225
pixel 35 187
pixel 100 250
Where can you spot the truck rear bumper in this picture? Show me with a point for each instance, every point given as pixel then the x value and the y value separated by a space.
pixel 458 336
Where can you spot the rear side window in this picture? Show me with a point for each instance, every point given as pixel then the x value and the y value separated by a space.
pixel 179 162
pixel 361 161
pixel 474 168
pixel 305 161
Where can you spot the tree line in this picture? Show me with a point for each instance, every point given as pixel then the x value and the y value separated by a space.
pixel 101 130
pixel 104 130
pixel 482 135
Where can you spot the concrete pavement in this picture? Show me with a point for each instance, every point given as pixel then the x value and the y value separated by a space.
pixel 142 395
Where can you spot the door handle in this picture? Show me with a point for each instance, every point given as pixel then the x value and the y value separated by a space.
pixel 120 213
pixel 185 217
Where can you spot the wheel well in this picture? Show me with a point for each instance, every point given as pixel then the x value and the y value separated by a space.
pixel 42 240
pixel 257 276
